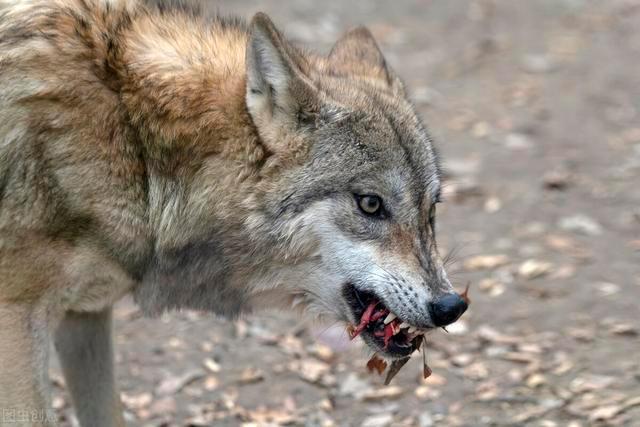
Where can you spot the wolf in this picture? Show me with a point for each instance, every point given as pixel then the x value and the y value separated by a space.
pixel 199 162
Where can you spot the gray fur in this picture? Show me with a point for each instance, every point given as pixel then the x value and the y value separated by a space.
pixel 194 276
pixel 84 345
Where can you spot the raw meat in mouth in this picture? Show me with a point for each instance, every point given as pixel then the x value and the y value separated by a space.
pixel 398 339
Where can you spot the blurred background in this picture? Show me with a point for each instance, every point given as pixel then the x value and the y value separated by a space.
pixel 535 107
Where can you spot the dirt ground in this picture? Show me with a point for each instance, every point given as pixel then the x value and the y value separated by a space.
pixel 535 107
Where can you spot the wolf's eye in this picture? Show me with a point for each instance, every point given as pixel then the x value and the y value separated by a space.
pixel 370 205
pixel 432 218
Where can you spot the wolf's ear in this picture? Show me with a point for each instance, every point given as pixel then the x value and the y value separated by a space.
pixel 356 54
pixel 278 92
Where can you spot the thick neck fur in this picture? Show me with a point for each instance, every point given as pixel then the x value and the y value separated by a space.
pixel 183 85
pixel 184 92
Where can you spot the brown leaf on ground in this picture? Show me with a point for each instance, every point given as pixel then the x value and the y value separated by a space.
pixel 175 383
pixel 531 269
pixel 163 406
pixel 395 367
pixel 136 401
pixel 211 365
pixel 389 392
pixel 590 382
pixel 425 392
pixel 485 262
pixel 490 334
pixel 376 364
pixel 624 329
pixel 313 371
pixel 263 416
pixel 491 286
pixel 434 380
pixel 250 375
pixel 322 352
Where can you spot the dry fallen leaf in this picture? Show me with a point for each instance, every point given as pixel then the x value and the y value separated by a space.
pixel 211 365
pixel 136 401
pixel 476 371
pixel 460 327
pixel 565 271
pixel 250 375
pixel 556 179
pixel 176 343
pixel 519 357
pixel 163 406
pixel 462 359
pixel 322 352
pixel 485 262
pixel 395 367
pixel 536 380
pixel 581 334
pixel 605 413
pixel 426 370
pixel 173 384
pixel 291 345
pixel 492 205
pixel 376 364
pixel 313 371
pixel 424 392
pixel 562 243
pixel 528 347
pixel 263 416
pixel 608 289
pixel 211 383
pixel 492 287
pixel 487 390
pixel 590 383
pixel 434 380
pixel 378 420
pixel 391 392
pixel 562 363
pixel 624 329
pixel 488 333
pixel 532 269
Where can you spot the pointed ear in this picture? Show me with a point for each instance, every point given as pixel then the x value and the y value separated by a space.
pixel 357 54
pixel 278 92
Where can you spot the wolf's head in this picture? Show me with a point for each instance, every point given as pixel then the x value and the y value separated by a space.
pixel 354 204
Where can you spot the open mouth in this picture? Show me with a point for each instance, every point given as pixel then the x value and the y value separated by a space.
pixel 380 327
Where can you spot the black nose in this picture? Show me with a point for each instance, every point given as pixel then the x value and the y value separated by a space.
pixel 447 309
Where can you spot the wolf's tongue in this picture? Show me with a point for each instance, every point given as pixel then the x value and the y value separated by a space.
pixel 365 319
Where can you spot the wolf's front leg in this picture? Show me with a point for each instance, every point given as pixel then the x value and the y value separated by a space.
pixel 24 364
pixel 84 344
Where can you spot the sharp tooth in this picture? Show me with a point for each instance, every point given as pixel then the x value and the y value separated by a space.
pixel 390 317
pixel 404 325
pixel 412 329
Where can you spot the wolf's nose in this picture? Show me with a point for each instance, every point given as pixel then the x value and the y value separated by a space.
pixel 447 309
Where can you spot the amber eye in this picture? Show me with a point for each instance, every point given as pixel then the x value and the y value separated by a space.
pixel 432 213
pixel 432 218
pixel 370 205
